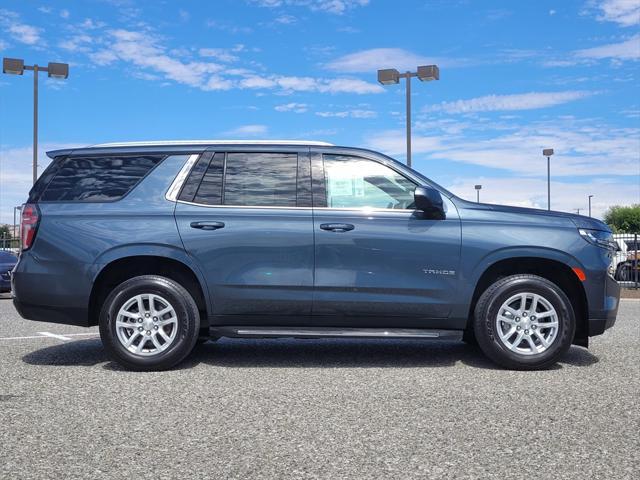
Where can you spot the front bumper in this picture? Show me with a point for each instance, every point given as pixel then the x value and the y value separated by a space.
pixel 601 320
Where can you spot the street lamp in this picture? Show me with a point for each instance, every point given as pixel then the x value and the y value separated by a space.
pixel 590 197
pixel 547 152
pixel 390 76
pixel 478 188
pixel 16 66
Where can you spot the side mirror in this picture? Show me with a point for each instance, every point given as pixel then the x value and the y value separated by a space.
pixel 429 201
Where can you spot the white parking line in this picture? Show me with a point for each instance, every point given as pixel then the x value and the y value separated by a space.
pixel 65 337
pixel 53 335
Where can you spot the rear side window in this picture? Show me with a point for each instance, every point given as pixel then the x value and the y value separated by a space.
pixel 261 179
pixel 97 179
pixel 252 179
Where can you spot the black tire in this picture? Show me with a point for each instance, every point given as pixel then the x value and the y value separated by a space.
pixel 188 322
pixel 486 313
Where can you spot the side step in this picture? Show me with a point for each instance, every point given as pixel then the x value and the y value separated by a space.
pixel 333 332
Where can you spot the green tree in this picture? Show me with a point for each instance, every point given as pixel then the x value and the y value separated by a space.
pixel 623 219
pixel 5 231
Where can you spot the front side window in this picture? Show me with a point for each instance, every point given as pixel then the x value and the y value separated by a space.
pixel 261 179
pixel 353 182
pixel 97 179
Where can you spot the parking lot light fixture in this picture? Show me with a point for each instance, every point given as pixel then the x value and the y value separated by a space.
pixel 590 197
pixel 478 188
pixel 13 66
pixel 391 76
pixel 16 66
pixel 547 152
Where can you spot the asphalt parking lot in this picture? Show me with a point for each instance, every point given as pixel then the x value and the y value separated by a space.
pixel 327 409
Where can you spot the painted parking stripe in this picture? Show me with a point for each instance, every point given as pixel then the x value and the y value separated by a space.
pixel 53 335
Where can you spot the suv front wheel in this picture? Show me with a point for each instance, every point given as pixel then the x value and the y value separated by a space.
pixel 524 322
pixel 149 323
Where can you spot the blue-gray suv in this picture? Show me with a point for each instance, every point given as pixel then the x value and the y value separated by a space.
pixel 169 243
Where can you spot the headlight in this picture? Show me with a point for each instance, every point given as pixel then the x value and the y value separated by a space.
pixel 599 238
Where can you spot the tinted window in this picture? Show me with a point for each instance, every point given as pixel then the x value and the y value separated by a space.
pixel 210 188
pixel 353 182
pixel 261 179
pixel 98 178
pixel 191 185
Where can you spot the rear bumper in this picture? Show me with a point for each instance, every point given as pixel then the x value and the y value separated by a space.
pixel 43 296
pixel 43 313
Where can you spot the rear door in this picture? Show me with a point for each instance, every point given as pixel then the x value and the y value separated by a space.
pixel 245 217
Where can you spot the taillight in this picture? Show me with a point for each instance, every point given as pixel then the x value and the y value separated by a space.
pixel 28 225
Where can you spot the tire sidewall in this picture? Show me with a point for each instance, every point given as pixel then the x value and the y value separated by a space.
pixel 188 322
pixel 486 328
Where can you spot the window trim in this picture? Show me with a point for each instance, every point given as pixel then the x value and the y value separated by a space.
pixel 173 194
pixel 163 157
pixel 318 160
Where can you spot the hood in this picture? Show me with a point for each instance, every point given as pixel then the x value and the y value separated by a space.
pixel 580 221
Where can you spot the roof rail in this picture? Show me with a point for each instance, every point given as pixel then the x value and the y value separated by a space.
pixel 211 142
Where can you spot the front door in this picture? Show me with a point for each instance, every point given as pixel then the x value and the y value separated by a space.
pixel 245 218
pixel 378 261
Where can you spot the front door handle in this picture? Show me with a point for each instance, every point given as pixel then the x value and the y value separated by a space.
pixel 337 227
pixel 207 225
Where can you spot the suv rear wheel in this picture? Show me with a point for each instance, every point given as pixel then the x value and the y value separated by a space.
pixel 524 322
pixel 149 323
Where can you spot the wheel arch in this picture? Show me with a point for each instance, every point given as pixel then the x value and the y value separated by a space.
pixel 555 270
pixel 121 268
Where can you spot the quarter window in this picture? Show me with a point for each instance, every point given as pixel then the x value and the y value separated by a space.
pixel 354 182
pixel 210 189
pixel 97 179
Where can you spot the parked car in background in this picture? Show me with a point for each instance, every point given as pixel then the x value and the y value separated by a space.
pixel 163 243
pixel 627 268
pixel 7 261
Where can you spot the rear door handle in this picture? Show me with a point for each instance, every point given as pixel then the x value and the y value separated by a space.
pixel 207 225
pixel 337 227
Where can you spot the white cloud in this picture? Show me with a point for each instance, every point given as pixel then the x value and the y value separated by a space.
pixel 368 61
pixel 552 12
pixel 286 19
pixel 77 43
pixel 337 7
pixel 356 113
pixel 23 33
pixel 292 107
pixel 522 101
pixel 184 15
pixel 627 50
pixel 310 84
pixel 64 13
pixel 220 54
pixel 583 148
pixel 144 51
pixel 248 130
pixel 625 13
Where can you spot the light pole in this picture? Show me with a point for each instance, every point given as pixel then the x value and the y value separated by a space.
pixel 478 188
pixel 578 211
pixel 391 76
pixel 547 152
pixel 590 197
pixel 16 66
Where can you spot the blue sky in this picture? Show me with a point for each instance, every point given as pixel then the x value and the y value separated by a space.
pixel 516 76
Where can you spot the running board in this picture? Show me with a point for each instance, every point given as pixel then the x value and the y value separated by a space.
pixel 332 332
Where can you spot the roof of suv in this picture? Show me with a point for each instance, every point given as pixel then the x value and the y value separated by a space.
pixel 180 145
